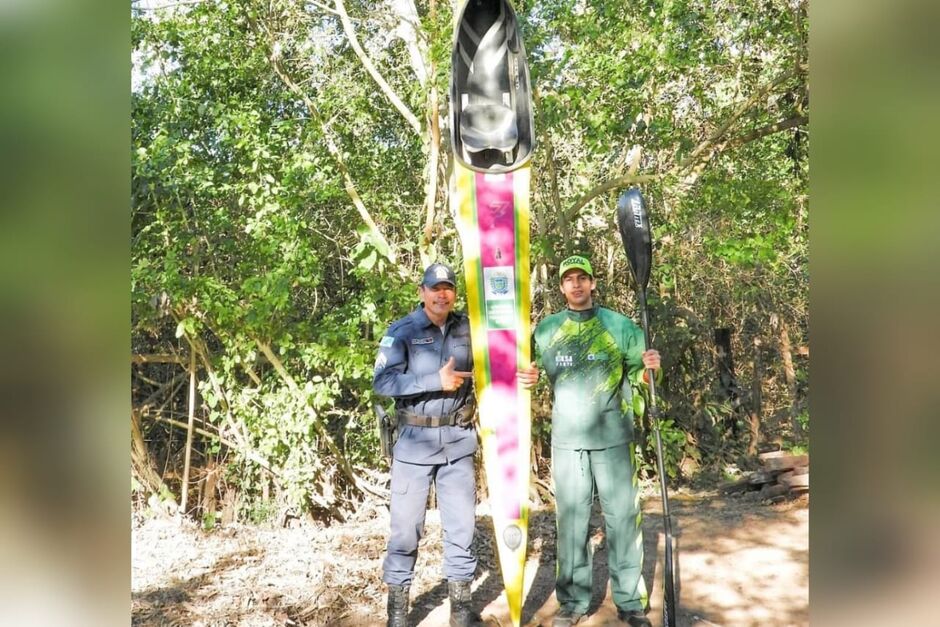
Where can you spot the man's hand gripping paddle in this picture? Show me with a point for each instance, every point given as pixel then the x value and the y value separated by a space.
pixel 634 225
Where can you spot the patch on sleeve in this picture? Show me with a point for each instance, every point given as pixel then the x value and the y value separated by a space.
pixel 380 361
pixel 387 341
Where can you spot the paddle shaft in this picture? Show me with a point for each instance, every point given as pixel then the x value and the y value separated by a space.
pixel 669 601
pixel 654 412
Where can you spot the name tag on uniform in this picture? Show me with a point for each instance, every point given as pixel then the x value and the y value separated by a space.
pixel 422 340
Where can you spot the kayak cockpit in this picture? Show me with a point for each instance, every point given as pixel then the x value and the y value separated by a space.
pixel 491 113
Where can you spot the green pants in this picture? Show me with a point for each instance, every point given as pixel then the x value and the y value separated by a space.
pixel 575 474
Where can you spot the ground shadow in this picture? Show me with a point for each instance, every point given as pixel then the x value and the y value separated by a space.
pixel 543 584
pixel 490 581
pixel 167 605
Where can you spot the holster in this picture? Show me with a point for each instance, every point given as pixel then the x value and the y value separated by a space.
pixel 388 429
pixel 465 415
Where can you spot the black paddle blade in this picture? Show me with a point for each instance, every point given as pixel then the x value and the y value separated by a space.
pixel 634 225
pixel 491 122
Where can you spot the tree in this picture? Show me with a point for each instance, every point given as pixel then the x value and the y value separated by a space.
pixel 289 181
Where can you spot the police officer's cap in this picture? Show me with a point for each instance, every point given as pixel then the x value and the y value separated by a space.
pixel 439 273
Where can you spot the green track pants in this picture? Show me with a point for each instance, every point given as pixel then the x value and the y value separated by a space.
pixel 575 474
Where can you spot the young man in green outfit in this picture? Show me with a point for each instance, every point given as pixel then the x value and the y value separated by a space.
pixel 593 356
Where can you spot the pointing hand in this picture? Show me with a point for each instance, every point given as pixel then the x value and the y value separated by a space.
pixel 452 379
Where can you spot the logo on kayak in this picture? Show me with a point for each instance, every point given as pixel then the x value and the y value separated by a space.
pixel 512 536
pixel 499 207
pixel 499 283
pixel 499 297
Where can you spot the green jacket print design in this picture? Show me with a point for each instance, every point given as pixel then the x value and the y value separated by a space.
pixel 593 358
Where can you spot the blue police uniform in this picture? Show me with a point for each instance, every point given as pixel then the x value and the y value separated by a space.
pixel 411 353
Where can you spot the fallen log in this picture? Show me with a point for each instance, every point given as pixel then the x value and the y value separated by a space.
pixel 799 471
pixel 760 477
pixel 783 462
pixel 795 480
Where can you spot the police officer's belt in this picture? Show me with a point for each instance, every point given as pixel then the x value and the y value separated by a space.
pixel 462 417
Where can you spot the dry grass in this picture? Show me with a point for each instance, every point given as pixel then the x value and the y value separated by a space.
pixel 741 563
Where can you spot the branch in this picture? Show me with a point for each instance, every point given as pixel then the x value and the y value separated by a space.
pixel 770 129
pixel 157 359
pixel 197 345
pixel 311 413
pixel 367 64
pixel 337 155
pixel 170 5
pixel 322 6
pixel 407 31
pixel 740 111
pixel 249 454
pixel 172 385
pixel 434 136
pixel 696 155
pixel 628 179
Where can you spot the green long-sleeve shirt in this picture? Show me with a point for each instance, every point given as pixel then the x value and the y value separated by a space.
pixel 591 358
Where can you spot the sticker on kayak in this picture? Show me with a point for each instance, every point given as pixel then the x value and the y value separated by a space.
pixel 498 294
pixel 512 536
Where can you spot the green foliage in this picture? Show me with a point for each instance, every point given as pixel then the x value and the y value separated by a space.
pixel 257 511
pixel 673 440
pixel 209 520
pixel 244 229
pixel 803 419
pixel 798 450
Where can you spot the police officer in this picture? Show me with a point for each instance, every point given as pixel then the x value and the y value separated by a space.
pixel 425 363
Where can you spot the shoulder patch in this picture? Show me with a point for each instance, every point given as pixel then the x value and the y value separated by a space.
pixel 422 340
pixel 387 341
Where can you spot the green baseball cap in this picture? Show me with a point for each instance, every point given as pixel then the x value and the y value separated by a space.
pixel 575 261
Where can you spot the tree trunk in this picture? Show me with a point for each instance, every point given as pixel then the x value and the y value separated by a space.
pixel 140 458
pixel 754 413
pixel 184 492
pixel 727 380
pixel 209 502
pixel 789 372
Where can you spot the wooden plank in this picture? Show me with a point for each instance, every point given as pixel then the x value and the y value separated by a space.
pixel 796 472
pixel 796 480
pixel 784 462
pixel 758 478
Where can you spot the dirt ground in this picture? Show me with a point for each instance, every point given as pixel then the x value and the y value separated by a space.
pixel 741 562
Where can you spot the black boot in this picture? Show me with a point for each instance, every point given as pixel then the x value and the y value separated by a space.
pixel 398 605
pixel 460 613
pixel 634 618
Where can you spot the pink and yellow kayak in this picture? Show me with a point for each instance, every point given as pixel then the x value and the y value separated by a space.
pixel 492 138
